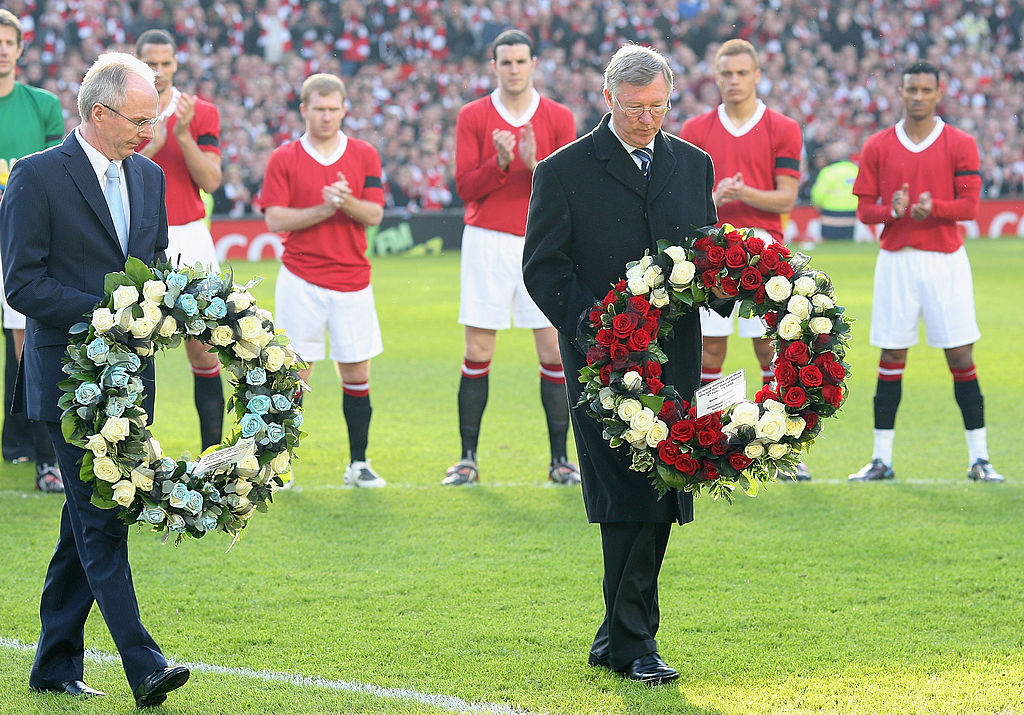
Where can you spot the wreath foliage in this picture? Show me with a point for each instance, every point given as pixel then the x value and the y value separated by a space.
pixel 752 442
pixel 145 309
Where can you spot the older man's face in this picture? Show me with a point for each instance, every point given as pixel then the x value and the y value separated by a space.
pixel 119 136
pixel 638 131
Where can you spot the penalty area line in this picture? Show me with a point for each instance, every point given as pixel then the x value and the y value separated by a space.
pixel 449 703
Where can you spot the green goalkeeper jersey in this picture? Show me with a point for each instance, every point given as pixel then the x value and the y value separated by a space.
pixel 30 120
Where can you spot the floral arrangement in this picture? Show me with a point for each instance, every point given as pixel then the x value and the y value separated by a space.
pixel 751 442
pixel 145 309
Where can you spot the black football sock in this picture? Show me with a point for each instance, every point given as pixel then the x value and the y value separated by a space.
pixel 355 405
pixel 473 389
pixel 209 398
pixel 556 407
pixel 967 392
pixel 888 393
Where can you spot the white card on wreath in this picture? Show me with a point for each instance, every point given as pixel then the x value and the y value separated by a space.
pixel 225 455
pixel 720 394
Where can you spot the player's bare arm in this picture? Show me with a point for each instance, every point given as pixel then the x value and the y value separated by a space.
pixel 505 144
pixel 779 200
pixel 203 166
pixel 528 146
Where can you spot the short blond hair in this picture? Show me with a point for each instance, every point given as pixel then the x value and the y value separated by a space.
pixel 323 84
pixel 737 46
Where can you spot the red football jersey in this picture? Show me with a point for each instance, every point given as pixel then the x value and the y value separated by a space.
pixel 497 199
pixel 768 145
pixel 184 204
pixel 945 164
pixel 332 253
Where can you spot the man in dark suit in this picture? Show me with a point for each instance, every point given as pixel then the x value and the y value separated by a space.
pixel 70 215
pixel 597 204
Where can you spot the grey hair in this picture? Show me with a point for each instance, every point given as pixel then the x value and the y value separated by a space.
pixel 636 65
pixel 106 82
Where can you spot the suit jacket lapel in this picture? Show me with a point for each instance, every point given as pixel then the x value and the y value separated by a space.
pixel 82 174
pixel 663 167
pixel 618 162
pixel 136 194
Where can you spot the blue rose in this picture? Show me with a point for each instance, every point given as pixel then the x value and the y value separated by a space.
pixel 195 326
pixel 194 505
pixel 177 281
pixel 251 424
pixel 275 432
pixel 115 376
pixel 281 403
pixel 256 376
pixel 207 523
pixel 178 496
pixel 213 283
pixel 188 303
pixel 88 393
pixel 217 309
pixel 97 351
pixel 260 404
pixel 115 407
pixel 166 464
pixel 212 494
pixel 134 363
pixel 152 515
pixel 134 386
pixel 297 420
pixel 175 523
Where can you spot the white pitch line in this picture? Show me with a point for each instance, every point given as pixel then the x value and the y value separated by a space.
pixel 445 702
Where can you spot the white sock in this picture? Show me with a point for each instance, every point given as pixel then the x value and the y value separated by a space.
pixel 977 445
pixel 883 445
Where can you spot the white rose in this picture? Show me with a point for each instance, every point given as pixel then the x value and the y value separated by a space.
pixel 142 327
pixel 265 315
pixel 289 357
pixel 102 320
pixel 607 398
pixel 657 433
pixel 799 306
pixel 123 317
pixel 153 449
pixel 280 463
pixel 168 328
pixel 250 327
pixel 682 273
pixel 635 438
pixel 795 426
pixel 659 297
pixel 248 351
pixel 745 413
pixel 632 380
pixel 248 467
pixel 125 296
pixel 653 277
pixel 643 420
pixel 243 504
pixel 754 450
pixel 775 406
pixel 778 451
pixel 96 444
pixel 263 339
pixel 145 350
pixel 637 286
pixel 778 288
pixel 805 285
pixel 790 327
pixel 628 408
pixel 822 302
pixel 222 335
pixel 676 253
pixel 124 493
pixel 154 291
pixel 645 263
pixel 820 326
pixel 239 300
pixel 115 429
pixel 151 311
pixel 243 487
pixel 634 271
pixel 771 426
pixel 142 481
pixel 106 469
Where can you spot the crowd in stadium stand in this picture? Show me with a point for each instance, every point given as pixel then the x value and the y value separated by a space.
pixel 410 66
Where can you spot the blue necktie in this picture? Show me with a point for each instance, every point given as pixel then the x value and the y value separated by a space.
pixel 112 193
pixel 644 156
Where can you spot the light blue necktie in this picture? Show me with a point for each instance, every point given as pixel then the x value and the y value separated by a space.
pixel 112 193
pixel 644 156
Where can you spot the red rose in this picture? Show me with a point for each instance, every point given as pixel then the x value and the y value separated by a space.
pixel 682 431
pixel 669 412
pixel 687 464
pixel 785 270
pixel 751 278
pixel 785 373
pixel 716 254
pixel 781 249
pixel 769 260
pixel 824 340
pixel 654 313
pixel 709 421
pixel 595 317
pixel 771 318
pixel 606 374
pixel 797 353
pixel 621 286
pixel 623 325
pixel 754 245
pixel 810 376
pixel 795 397
pixel 811 418
pixel 730 286
pixel 639 305
pixel 710 472
pixel 701 262
pixel 652 369
pixel 833 394
pixel 608 299
pixel 654 385
pixel 739 461
pixel 765 393
pixel 691 411
pixel 824 359
pixel 760 295
pixel 719 447
pixel 733 238
pixel 736 257
pixel 707 437
pixel 597 354
pixel 618 353
pixel 605 337
pixel 709 278
pixel 651 327
pixel 704 243
pixel 639 341
pixel 668 452
pixel 836 371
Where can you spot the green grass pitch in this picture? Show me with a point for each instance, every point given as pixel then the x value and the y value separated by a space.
pixel 824 597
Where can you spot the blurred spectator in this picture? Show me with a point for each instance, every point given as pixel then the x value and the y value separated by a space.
pixel 832 194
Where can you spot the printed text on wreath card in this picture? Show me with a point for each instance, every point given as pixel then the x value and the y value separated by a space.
pixel 720 394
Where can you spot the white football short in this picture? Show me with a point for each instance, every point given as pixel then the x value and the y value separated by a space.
pixel 192 243
pixel 713 325
pixel 911 285
pixel 493 294
pixel 309 313
pixel 13 320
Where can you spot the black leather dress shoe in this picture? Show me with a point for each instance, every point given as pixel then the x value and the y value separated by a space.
pixel 77 688
pixel 155 686
pixel 650 669
pixel 598 661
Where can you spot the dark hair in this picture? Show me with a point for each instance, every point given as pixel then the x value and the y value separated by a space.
pixel 153 37
pixel 511 37
pixel 920 67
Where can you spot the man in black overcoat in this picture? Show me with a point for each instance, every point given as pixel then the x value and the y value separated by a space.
pixel 592 210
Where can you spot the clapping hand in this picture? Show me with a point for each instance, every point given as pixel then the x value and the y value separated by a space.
pixel 923 208
pixel 505 143
pixel 900 199
pixel 183 113
pixel 337 193
pixel 528 146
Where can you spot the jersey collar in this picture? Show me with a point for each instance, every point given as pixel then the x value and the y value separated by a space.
pixel 909 145
pixel 727 124
pixel 320 158
pixel 516 121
